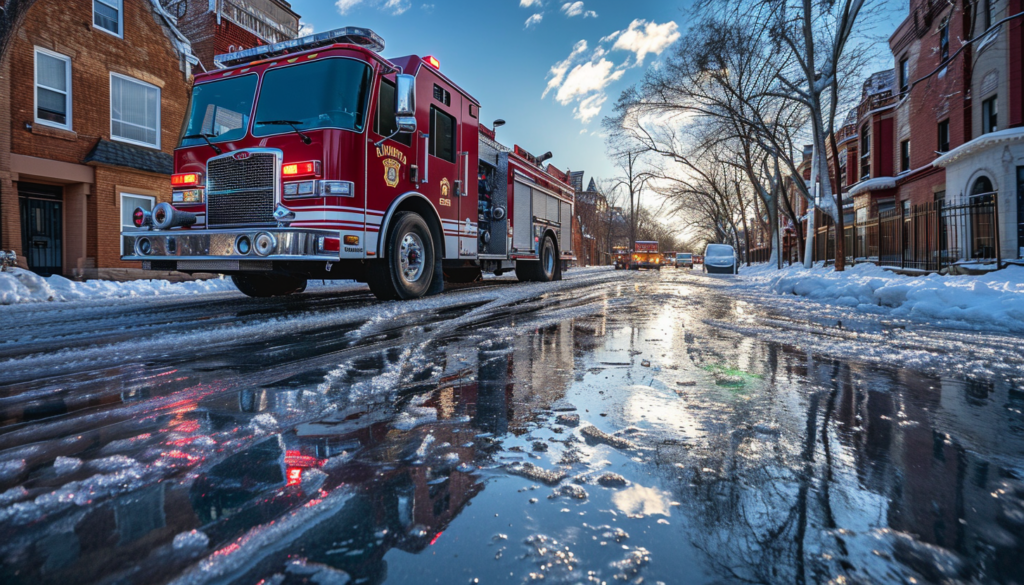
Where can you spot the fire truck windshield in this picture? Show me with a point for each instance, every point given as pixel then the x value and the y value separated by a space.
pixel 220 110
pixel 330 93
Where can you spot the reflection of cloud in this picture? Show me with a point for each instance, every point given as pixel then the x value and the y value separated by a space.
pixel 641 501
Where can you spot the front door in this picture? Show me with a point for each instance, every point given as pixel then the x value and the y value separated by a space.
pixel 42 227
pixel 443 168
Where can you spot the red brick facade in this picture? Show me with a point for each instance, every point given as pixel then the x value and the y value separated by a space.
pixel 88 193
pixel 213 31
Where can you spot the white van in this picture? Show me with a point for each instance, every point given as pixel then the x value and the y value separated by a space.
pixel 720 259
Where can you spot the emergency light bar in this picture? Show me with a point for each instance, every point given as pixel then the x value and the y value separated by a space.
pixel 353 35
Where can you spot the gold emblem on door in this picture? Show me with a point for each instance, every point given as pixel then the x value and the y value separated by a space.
pixel 391 168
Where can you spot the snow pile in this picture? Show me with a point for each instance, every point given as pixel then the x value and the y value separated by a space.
pixel 994 299
pixel 23 286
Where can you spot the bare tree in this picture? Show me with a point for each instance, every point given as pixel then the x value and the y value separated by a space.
pixel 633 180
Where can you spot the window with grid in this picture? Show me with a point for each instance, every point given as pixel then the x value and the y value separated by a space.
pixel 107 15
pixel 53 89
pixel 865 152
pixel 134 111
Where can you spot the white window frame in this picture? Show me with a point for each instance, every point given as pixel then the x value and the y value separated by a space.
pixel 158 112
pixel 120 17
pixel 35 87
pixel 121 197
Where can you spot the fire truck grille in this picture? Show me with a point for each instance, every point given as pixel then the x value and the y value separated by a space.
pixel 241 192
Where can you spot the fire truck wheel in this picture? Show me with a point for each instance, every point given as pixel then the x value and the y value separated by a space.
pixel 543 270
pixel 408 269
pixel 265 285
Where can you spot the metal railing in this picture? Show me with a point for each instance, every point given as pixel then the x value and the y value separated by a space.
pixel 928 237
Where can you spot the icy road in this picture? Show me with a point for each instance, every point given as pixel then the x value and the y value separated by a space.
pixel 615 427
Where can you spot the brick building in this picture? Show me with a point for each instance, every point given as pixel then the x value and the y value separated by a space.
pixel 92 98
pixel 215 27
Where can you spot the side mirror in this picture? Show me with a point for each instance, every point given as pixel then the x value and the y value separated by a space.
pixel 405 101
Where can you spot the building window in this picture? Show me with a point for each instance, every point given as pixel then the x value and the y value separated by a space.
pixel 53 89
pixel 134 111
pixel 989 115
pixel 904 77
pixel 442 135
pixel 944 136
pixel 986 13
pixel 107 15
pixel 129 203
pixel 865 150
pixel 905 156
pixel 944 41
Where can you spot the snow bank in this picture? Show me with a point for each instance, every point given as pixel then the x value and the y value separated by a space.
pixel 995 299
pixel 23 286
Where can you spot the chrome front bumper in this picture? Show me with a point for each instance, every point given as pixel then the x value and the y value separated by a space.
pixel 217 250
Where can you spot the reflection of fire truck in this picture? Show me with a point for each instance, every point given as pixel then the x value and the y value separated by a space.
pixel 377 170
pixel 620 255
pixel 645 255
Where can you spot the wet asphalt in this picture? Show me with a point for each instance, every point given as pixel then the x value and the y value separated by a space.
pixel 616 428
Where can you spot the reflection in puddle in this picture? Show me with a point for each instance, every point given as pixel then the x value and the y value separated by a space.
pixel 638 501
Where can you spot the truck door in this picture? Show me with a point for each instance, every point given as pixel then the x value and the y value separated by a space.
pixel 388 166
pixel 443 164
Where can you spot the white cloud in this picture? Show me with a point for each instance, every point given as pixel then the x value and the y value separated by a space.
pixel 589 108
pixel 558 70
pixel 643 38
pixel 588 77
pixel 534 20
pixel 397 7
pixel 529 3
pixel 576 9
pixel 344 6
pixel 305 29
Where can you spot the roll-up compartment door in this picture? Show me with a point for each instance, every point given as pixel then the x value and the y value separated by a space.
pixel 566 244
pixel 522 227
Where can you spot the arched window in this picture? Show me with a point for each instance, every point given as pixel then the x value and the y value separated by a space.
pixel 982 191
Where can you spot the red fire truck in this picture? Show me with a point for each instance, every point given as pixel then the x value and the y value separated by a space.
pixel 645 255
pixel 319 158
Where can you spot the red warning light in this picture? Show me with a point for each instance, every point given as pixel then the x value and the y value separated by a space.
pixel 433 62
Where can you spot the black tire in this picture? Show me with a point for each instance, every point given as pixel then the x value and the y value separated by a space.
pixel 543 270
pixel 463 275
pixel 407 270
pixel 268 285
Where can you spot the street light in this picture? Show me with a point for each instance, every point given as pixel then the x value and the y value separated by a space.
pixel 497 124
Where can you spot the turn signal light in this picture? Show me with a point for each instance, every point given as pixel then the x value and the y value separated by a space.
pixel 186 179
pixel 302 169
pixel 433 62
pixel 351 240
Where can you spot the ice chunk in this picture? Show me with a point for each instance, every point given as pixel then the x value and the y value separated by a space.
pixel 594 434
pixel 609 479
pixel 191 540
pixel 569 420
pixel 531 471
pixel 570 491
pixel 65 465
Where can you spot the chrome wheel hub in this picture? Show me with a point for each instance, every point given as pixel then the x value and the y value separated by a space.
pixel 411 257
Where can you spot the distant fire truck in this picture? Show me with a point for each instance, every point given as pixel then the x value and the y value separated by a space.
pixel 645 255
pixel 620 254
pixel 318 158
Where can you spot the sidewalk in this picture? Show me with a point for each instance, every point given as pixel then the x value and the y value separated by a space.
pixel 993 300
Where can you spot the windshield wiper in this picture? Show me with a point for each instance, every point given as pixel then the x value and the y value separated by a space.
pixel 293 123
pixel 205 137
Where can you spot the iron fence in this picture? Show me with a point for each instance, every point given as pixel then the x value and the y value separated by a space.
pixel 928 237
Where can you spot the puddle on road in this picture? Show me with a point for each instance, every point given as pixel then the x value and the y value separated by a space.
pixel 713 457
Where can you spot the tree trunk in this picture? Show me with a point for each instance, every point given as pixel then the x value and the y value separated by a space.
pixel 840 219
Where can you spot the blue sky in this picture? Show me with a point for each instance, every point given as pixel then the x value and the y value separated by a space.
pixel 552 69
pixel 487 47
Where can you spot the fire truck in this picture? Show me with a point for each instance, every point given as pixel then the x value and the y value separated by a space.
pixel 620 254
pixel 319 158
pixel 645 255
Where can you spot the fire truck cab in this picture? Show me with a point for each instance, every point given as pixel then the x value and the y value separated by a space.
pixel 645 255
pixel 318 158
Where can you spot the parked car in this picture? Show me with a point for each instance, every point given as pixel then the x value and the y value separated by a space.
pixel 720 259
pixel 684 260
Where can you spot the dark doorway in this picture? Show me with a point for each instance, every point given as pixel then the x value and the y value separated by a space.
pixel 42 227
pixel 1020 211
